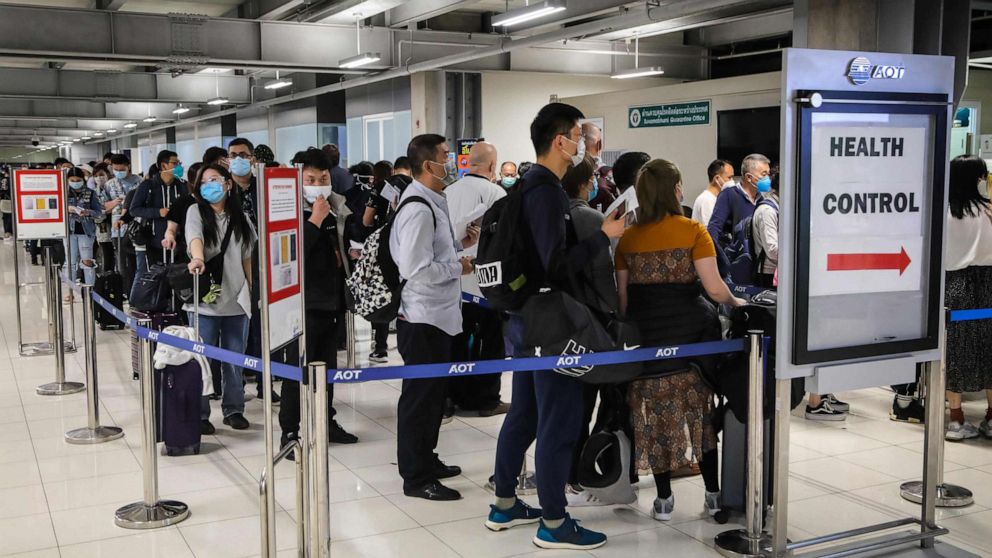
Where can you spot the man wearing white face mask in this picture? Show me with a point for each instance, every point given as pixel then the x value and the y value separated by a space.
pixel 720 173
pixel 325 267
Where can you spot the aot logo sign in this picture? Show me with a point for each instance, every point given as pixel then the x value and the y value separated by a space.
pixel 860 71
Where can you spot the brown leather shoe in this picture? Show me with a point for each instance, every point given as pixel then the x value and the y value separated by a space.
pixel 689 471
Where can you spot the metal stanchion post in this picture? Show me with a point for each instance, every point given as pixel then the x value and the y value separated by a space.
pixel 780 477
pixel 151 512
pixel 932 388
pixel 56 333
pixel 320 532
pixel 752 541
pixel 304 464
pixel 93 433
pixel 349 318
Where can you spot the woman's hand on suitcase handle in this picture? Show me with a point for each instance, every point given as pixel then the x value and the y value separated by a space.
pixel 169 242
pixel 196 266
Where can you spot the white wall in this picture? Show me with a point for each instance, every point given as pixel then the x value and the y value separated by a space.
pixel 510 100
pixel 692 148
pixel 80 154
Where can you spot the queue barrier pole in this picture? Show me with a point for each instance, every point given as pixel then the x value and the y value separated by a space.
pixel 946 495
pixel 93 432
pixel 150 513
pixel 320 534
pixel 56 332
pixel 752 541
pixel 349 322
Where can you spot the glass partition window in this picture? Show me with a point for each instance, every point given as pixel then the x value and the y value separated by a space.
pixel 379 137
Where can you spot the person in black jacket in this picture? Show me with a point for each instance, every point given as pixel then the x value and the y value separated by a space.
pixel 324 267
pixel 155 195
pixel 547 405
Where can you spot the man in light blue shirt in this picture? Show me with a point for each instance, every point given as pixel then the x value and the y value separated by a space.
pixel 423 244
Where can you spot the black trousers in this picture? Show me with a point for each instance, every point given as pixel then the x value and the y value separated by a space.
pixel 421 404
pixel 481 339
pixel 321 327
pixel 380 336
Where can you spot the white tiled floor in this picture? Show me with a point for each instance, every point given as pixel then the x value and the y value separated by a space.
pixel 58 500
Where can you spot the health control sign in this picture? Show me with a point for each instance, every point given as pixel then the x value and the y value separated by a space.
pixel 866 194
pixel 38 197
pixel 676 114
pixel 283 247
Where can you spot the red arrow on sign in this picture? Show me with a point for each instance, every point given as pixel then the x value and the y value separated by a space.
pixel 868 262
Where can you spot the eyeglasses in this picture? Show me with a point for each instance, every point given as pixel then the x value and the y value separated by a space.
pixel 239 156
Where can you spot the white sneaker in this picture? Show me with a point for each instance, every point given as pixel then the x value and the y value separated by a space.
pixel 824 411
pixel 579 498
pixel 662 509
pixel 985 428
pixel 957 431
pixel 711 503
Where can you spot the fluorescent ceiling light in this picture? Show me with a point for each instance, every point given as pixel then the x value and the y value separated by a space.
pixel 278 84
pixel 359 60
pixel 639 72
pixel 180 110
pixel 84 138
pixel 149 118
pixel 130 125
pixel 98 134
pixel 111 131
pixel 218 101
pixel 75 140
pixel 214 71
pixel 528 13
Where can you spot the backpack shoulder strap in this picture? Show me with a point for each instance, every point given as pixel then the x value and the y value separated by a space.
pixel 415 199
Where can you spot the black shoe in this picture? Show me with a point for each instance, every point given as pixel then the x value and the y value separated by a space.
pixel 435 491
pixel 449 412
pixel 914 412
pixel 443 471
pixel 276 399
pixel 338 435
pixel 286 439
pixel 236 421
pixel 206 428
pixel 215 396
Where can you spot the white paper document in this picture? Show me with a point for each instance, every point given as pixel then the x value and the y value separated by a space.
pixel 390 192
pixel 627 204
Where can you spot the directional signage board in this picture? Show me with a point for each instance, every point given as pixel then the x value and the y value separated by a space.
pixel 866 189
pixel 283 249
pixel 39 197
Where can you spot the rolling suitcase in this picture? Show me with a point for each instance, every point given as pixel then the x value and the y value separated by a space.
pixel 160 320
pixel 109 285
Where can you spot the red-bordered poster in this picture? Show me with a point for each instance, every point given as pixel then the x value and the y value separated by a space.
pixel 39 198
pixel 284 248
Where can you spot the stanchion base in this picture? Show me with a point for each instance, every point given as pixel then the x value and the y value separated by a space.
pixel 525 486
pixel 42 348
pixel 96 435
pixel 63 388
pixel 736 544
pixel 142 516
pixel 948 495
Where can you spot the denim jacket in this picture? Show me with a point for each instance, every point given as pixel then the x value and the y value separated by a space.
pixel 84 199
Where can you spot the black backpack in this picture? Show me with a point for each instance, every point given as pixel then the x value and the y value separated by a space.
pixel 507 265
pixel 375 283
pixel 745 258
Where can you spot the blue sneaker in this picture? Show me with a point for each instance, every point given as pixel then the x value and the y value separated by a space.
pixel 519 514
pixel 569 536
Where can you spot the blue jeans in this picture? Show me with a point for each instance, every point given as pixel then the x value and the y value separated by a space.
pixel 549 407
pixel 80 250
pixel 226 332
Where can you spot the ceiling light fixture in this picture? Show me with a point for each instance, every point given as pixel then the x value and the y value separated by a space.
pixel 637 71
pixel 362 58
pixel 84 138
pixel 130 125
pixel 278 83
pixel 219 99
pixel 98 134
pixel 214 71
pixel 149 118
pixel 528 13
pixel 75 140
pixel 112 131
pixel 180 109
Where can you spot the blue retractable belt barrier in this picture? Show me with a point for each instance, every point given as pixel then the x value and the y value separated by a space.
pixel 970 315
pixel 439 370
pixel 477 300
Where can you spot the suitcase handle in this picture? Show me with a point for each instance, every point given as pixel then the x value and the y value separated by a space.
pixel 196 306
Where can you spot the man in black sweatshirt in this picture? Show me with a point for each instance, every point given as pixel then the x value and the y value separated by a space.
pixel 325 266
pixel 547 405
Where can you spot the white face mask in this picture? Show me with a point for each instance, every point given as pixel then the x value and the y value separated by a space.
pixel 983 187
pixel 311 193
pixel 580 150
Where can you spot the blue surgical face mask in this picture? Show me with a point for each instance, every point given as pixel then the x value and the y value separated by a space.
pixel 509 181
pixel 764 184
pixel 120 175
pixel 177 171
pixel 595 190
pixel 212 192
pixel 76 185
pixel 240 167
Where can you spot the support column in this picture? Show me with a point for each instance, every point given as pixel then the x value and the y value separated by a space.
pixel 331 115
pixel 170 138
pixel 228 128
pixel 428 97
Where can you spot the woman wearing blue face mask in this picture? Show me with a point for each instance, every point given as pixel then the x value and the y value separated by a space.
pixel 84 209
pixel 220 241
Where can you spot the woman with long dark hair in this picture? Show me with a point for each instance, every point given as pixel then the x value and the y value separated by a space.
pixel 220 240
pixel 84 208
pixel 665 264
pixel 969 274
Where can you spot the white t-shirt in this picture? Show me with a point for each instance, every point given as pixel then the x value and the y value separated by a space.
pixel 464 197
pixel 969 240
pixel 702 208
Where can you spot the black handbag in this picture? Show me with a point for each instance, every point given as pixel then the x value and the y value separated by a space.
pixel 181 279
pixel 555 323
pixel 139 232
pixel 150 292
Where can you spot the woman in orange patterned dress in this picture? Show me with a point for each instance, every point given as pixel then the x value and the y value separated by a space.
pixel 665 263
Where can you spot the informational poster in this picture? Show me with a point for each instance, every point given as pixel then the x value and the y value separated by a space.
pixel 39 197
pixel 867 223
pixel 462 148
pixel 283 248
pixel 676 114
